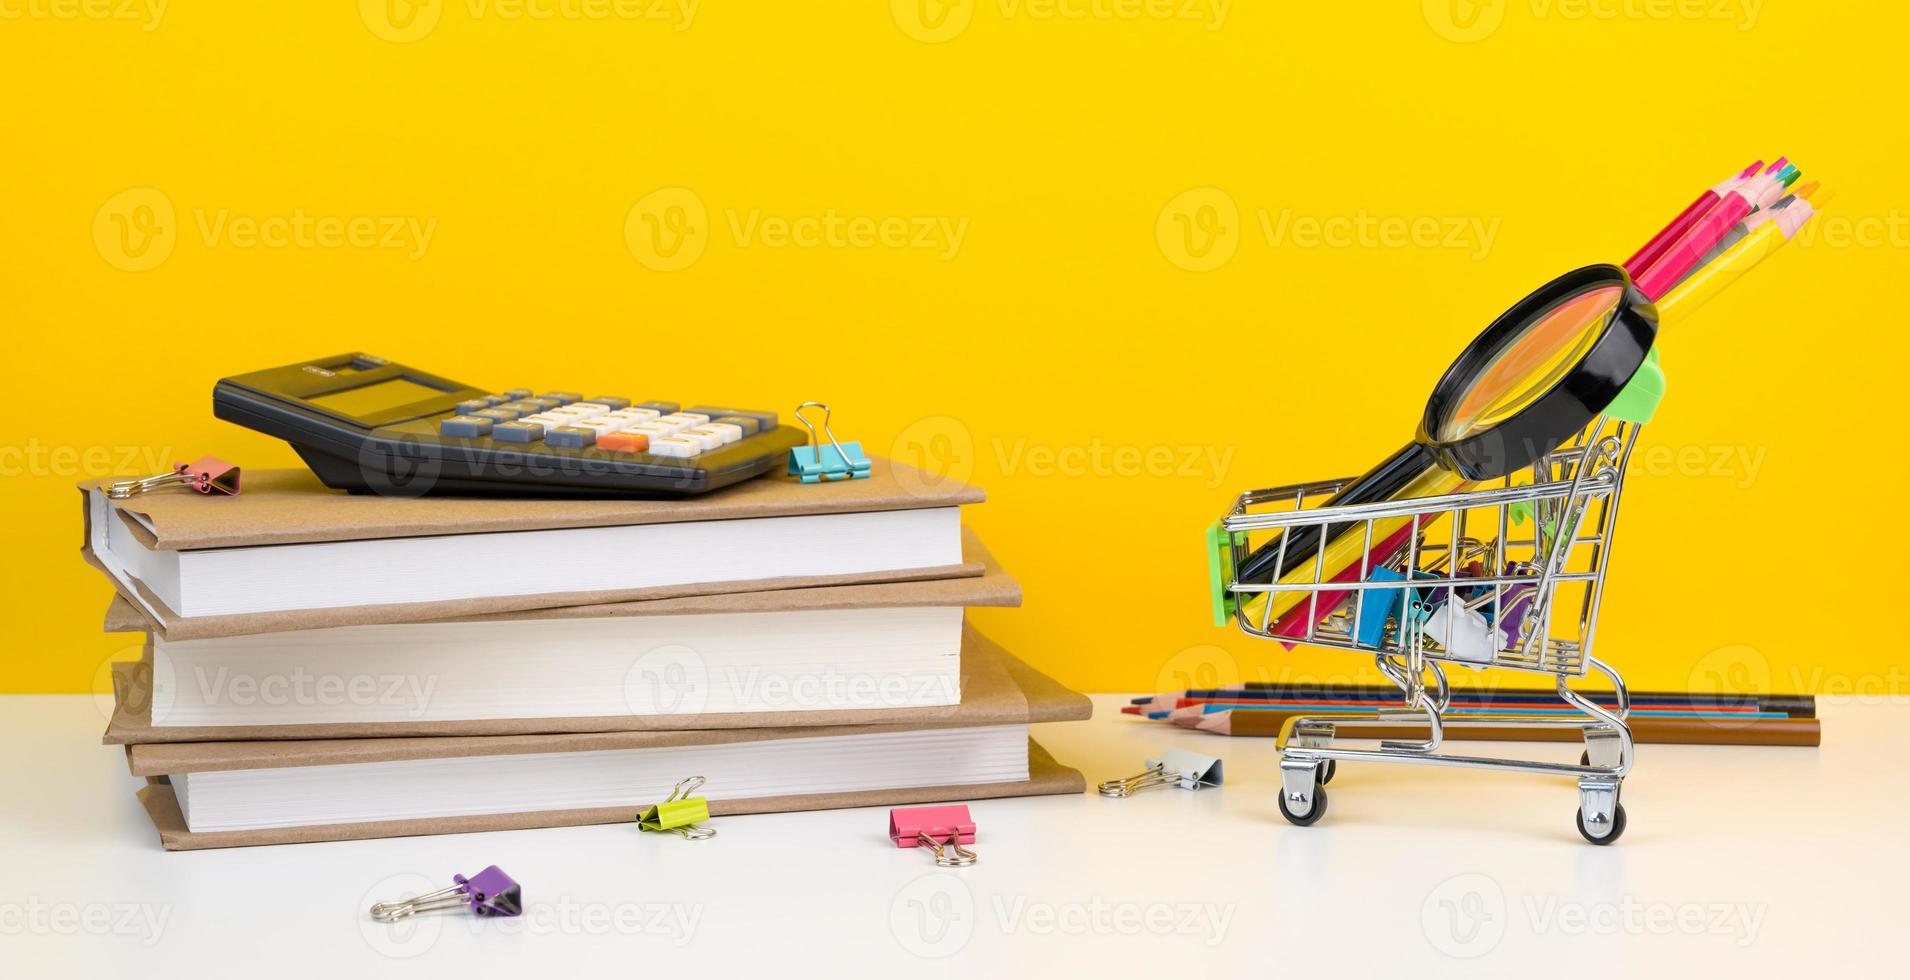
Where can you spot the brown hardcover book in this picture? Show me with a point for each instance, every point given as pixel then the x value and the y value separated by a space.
pixel 289 553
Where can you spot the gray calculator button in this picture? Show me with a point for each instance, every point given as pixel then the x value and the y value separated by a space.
pixel 563 397
pixel 499 414
pixel 517 432
pixel 515 393
pixel 465 427
pixel 570 437
pixel 750 426
pixel 614 403
pixel 476 405
pixel 664 408
pixel 542 403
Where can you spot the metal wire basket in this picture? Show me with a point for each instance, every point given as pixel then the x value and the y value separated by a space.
pixel 1502 576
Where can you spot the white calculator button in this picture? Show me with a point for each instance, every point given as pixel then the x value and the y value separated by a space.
pixel 651 431
pixel 546 419
pixel 673 446
pixel 578 412
pixel 730 432
pixel 640 414
pixel 707 438
pixel 684 420
pixel 598 407
pixel 602 424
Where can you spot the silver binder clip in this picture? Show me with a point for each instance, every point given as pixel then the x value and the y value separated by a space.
pixel 1175 767
pixel 207 474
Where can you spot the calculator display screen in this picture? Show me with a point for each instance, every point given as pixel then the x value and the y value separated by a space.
pixel 374 398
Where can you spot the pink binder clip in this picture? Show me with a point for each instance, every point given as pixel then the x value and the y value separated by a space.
pixel 207 474
pixel 941 829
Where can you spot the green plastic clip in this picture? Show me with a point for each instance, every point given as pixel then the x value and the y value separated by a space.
pixel 1639 399
pixel 1220 573
pixel 680 813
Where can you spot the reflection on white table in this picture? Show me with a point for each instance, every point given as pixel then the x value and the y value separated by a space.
pixel 1738 861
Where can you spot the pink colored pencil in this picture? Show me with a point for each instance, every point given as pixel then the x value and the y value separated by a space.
pixel 1652 250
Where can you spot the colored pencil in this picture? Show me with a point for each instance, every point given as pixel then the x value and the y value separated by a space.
pixel 1670 233
pixel 1688 731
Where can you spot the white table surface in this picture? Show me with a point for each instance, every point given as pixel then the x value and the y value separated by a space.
pixel 1736 861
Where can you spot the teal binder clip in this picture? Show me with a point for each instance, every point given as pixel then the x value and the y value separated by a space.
pixel 816 462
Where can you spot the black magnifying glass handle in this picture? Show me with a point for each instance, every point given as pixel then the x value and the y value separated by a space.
pixel 1382 482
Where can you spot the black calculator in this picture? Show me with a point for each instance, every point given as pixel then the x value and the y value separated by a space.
pixel 367 425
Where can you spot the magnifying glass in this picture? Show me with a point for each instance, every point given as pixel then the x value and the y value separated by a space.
pixel 1534 379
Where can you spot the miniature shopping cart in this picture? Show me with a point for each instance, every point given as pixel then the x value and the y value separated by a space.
pixel 1503 576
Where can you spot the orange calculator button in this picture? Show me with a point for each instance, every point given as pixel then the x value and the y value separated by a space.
pixel 623 442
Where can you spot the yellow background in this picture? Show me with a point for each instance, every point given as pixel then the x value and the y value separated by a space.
pixel 1065 142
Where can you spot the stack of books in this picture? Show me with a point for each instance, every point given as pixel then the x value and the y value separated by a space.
pixel 322 666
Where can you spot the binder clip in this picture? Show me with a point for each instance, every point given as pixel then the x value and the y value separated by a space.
pixel 489 892
pixel 836 461
pixel 206 475
pixel 679 814
pixel 929 826
pixel 1175 767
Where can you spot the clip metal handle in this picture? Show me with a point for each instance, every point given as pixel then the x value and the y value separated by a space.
pixel 450 896
pixel 950 855
pixel 815 443
pixel 206 474
pixel 1154 775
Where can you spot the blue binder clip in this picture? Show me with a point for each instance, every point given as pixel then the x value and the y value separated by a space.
pixel 816 462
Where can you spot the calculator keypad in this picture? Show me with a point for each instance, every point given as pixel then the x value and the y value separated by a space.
pixel 566 420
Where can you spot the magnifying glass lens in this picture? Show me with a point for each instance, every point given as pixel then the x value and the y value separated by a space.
pixel 1532 361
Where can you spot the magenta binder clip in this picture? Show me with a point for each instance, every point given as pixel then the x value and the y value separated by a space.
pixel 489 892
pixel 207 474
pixel 941 829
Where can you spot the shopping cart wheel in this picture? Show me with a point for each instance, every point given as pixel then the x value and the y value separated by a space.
pixel 1310 817
pixel 1327 770
pixel 1618 826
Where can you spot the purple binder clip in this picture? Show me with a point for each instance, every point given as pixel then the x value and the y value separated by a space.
pixel 489 892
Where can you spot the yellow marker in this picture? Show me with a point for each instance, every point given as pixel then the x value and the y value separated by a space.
pixel 1737 260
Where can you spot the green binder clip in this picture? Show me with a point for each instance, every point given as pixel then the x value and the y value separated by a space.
pixel 680 813
pixel 837 461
